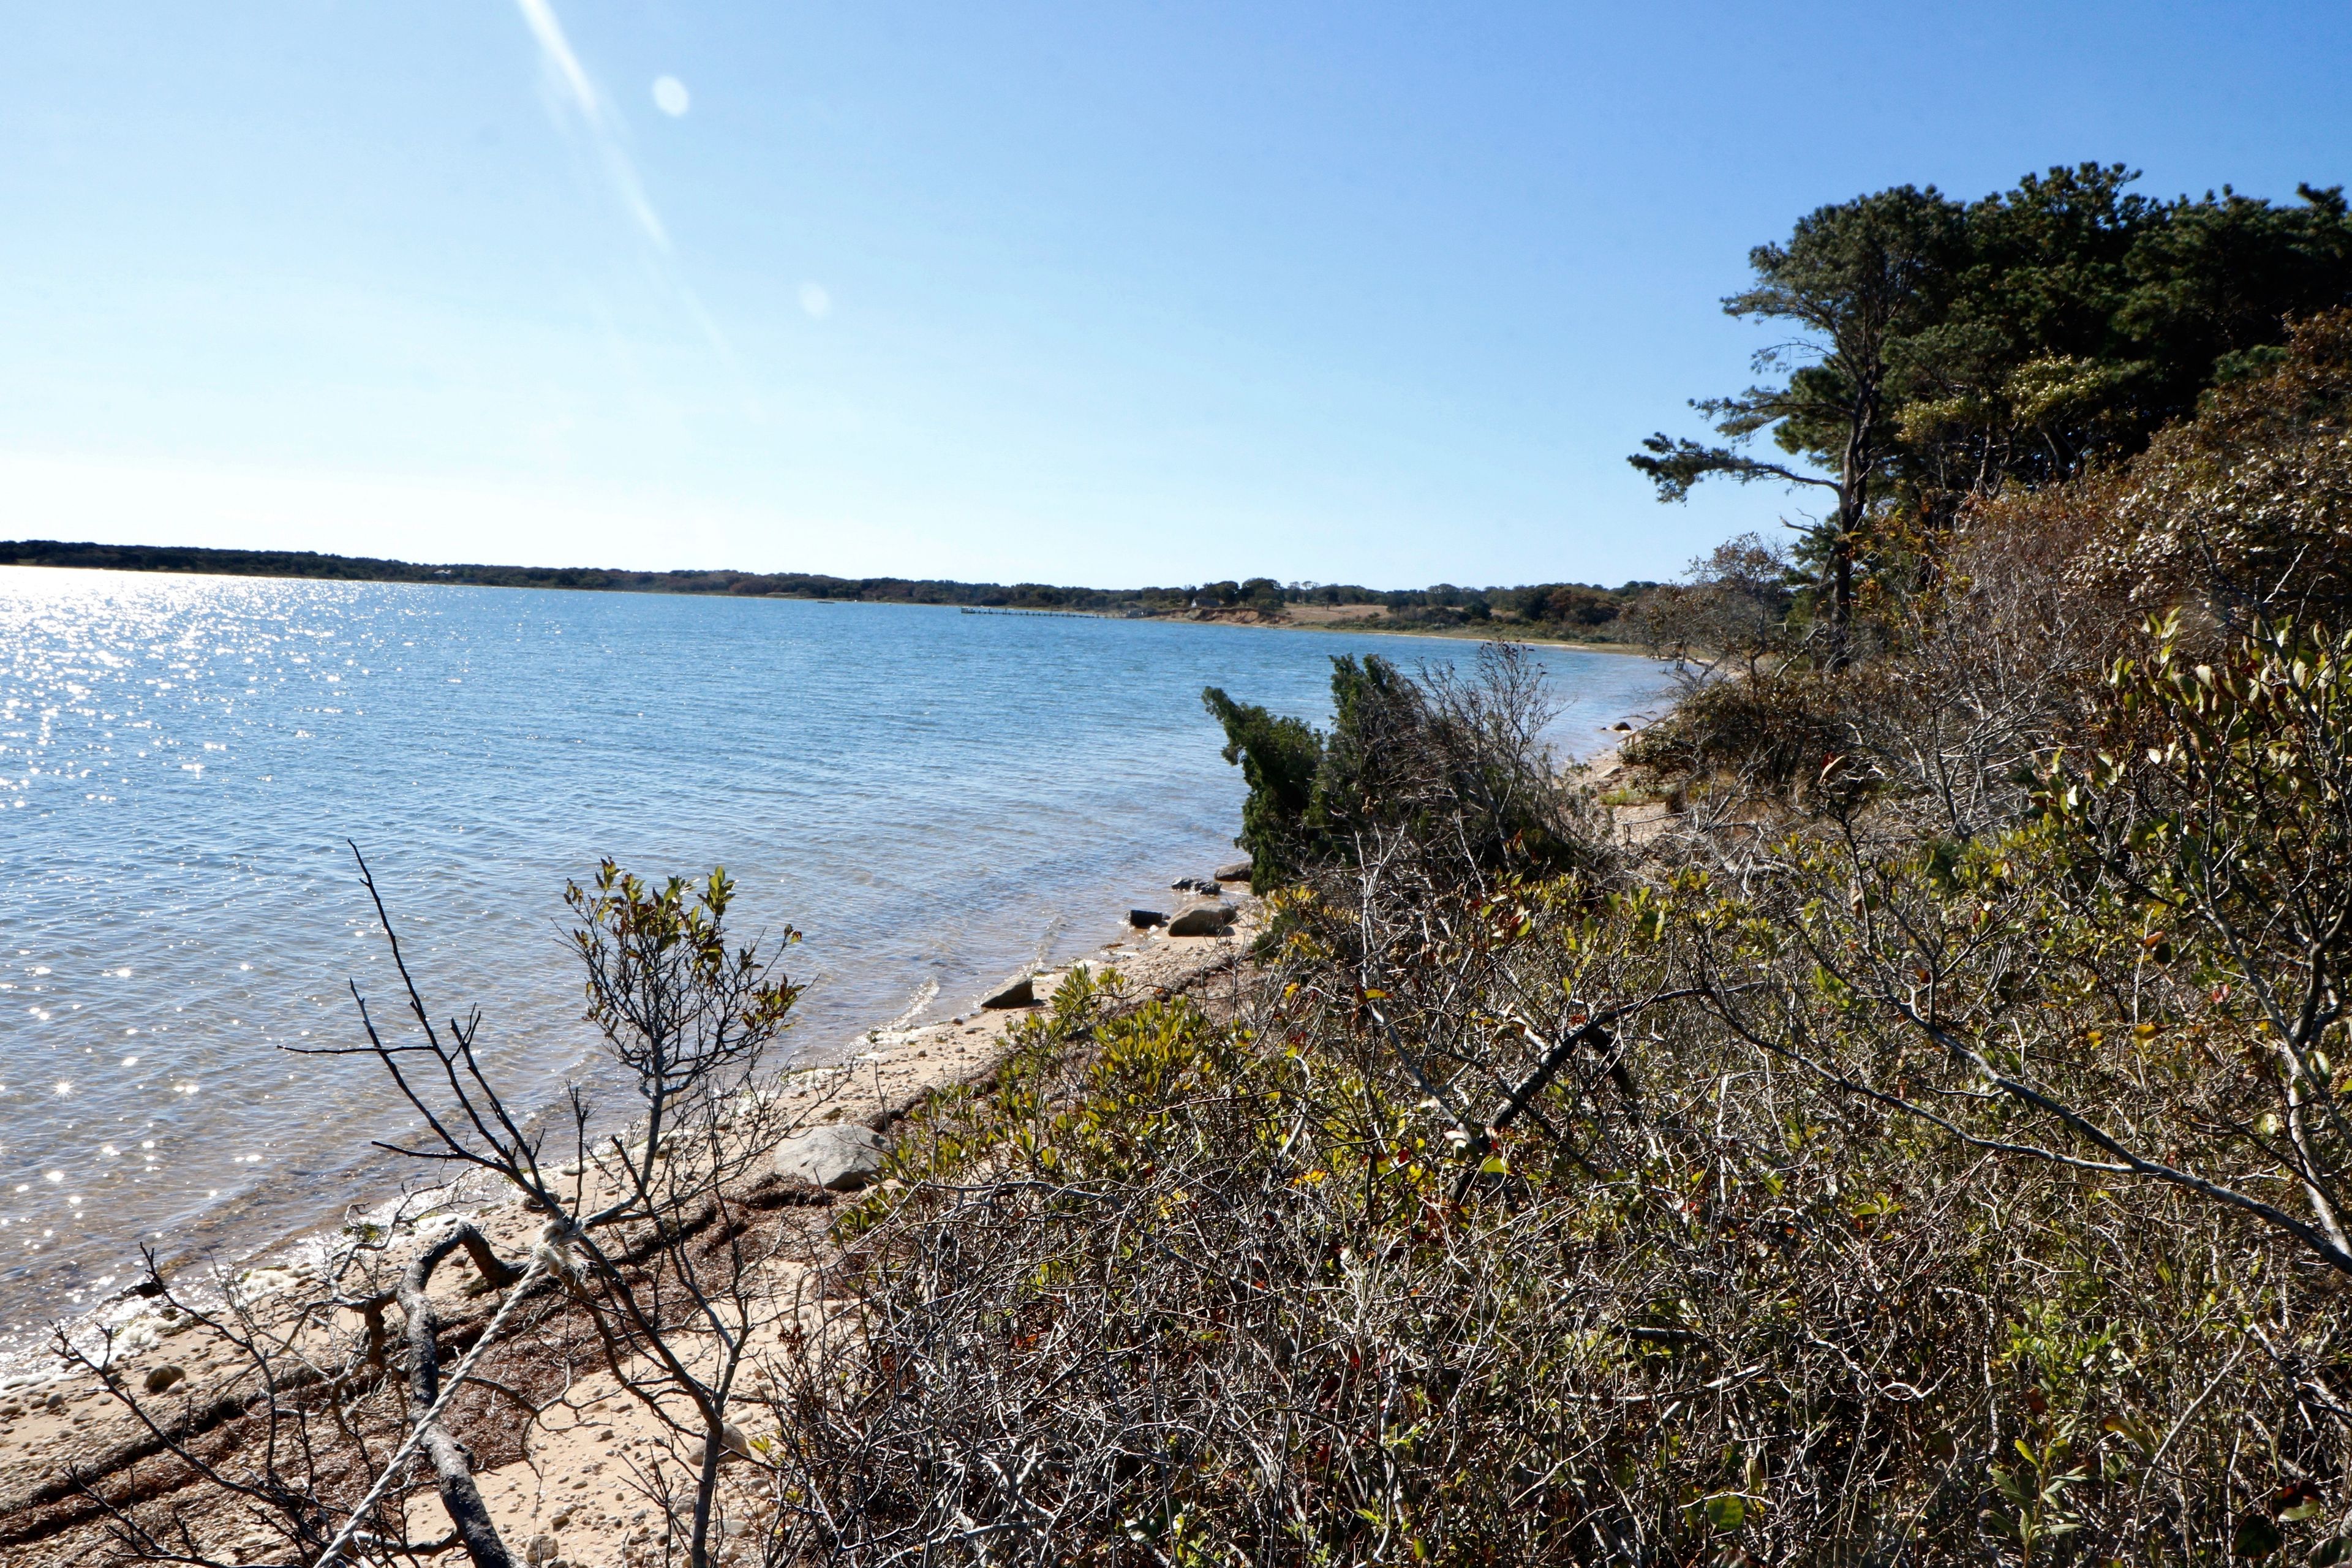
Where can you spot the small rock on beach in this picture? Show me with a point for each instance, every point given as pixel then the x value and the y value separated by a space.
pixel 1021 993
pixel 1202 920
pixel 732 1442
pixel 841 1158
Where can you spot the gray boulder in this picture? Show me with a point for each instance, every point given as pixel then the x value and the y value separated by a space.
pixel 1239 871
pixel 1021 993
pixel 1202 920
pixel 732 1445
pixel 842 1157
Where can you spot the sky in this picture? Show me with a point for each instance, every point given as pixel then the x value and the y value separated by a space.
pixel 1110 293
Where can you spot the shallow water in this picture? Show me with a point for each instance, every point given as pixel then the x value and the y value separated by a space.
pixel 934 798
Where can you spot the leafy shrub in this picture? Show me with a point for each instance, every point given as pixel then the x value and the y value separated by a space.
pixel 1450 765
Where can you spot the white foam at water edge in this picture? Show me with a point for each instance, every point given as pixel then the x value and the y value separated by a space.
pixel 925 994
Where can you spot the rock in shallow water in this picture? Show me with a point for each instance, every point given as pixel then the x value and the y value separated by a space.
pixel 842 1158
pixel 1021 993
pixel 1202 920
pixel 1236 872
pixel 1144 920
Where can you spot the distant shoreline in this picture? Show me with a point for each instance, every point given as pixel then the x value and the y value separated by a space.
pixel 973 599
pixel 1490 631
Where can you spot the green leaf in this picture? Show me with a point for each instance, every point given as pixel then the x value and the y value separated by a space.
pixel 1727 1513
pixel 2254 1537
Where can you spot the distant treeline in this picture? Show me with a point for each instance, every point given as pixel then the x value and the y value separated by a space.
pixel 1556 609
pixel 1565 608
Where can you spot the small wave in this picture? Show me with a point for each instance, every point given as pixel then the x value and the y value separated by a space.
pixel 925 994
pixel 1046 938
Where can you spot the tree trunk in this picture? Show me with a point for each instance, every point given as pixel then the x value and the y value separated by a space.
pixel 1854 502
pixel 1841 596
pixel 453 1467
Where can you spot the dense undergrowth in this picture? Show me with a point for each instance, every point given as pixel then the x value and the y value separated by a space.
pixel 1927 1149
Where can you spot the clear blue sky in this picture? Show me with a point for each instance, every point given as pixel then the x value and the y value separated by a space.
pixel 1108 293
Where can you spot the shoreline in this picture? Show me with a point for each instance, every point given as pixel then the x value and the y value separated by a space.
pixel 1497 632
pixel 886 1044
pixel 1616 649
pixel 54 1417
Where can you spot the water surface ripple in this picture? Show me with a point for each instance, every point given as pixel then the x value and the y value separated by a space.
pixel 931 797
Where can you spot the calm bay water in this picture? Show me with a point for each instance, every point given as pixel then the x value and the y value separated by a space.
pixel 934 798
